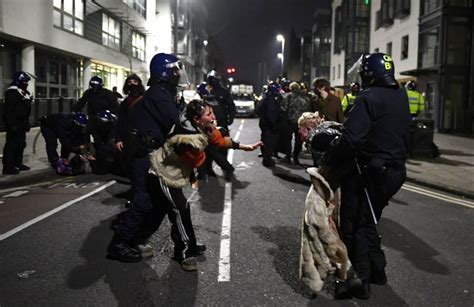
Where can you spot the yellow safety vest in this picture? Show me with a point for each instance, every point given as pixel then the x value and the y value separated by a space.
pixel 417 102
pixel 347 101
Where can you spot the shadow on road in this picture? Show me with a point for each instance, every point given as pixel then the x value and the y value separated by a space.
pixel 135 284
pixel 415 250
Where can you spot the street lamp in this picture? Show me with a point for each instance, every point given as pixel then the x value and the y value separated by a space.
pixel 281 55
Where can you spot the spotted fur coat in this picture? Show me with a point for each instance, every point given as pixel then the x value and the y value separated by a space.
pixel 322 250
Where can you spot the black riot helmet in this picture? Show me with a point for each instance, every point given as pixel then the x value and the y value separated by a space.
pixel 213 78
pixel 377 69
pixel 411 85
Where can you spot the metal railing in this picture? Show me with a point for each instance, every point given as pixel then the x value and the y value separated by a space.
pixel 43 106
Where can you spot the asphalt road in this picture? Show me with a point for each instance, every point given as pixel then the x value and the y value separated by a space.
pixel 60 260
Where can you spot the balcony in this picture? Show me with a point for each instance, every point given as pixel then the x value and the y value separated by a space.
pixel 125 13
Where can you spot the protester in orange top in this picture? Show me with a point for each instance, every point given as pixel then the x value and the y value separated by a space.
pixel 173 167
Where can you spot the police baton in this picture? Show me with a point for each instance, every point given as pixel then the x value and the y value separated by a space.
pixel 366 193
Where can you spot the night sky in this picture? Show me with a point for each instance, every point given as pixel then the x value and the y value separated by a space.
pixel 246 30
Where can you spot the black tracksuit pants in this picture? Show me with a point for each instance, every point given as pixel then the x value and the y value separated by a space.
pixel 358 229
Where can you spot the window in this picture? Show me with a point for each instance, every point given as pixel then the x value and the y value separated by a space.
pixel 339 71
pixel 389 49
pixel 138 46
pixel 428 6
pixel 333 72
pixel 402 8
pixel 404 48
pixel 138 5
pixel 107 73
pixel 456 53
pixel 110 32
pixel 376 50
pixel 428 48
pixel 69 15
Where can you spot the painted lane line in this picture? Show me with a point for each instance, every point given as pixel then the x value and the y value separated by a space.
pixel 55 210
pixel 460 200
pixel 438 197
pixel 224 253
pixel 224 256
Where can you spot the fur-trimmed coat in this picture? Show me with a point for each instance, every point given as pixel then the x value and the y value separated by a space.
pixel 322 250
pixel 169 166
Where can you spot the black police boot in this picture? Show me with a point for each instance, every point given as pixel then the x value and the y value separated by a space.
pixel 268 163
pixel 121 251
pixel 378 278
pixel 344 288
pixel 286 159
pixel 296 160
pixel 11 171
pixel 23 167
pixel 363 292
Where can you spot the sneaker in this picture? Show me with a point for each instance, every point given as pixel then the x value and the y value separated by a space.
pixel 189 264
pixel 23 167
pixel 121 251
pixel 200 249
pixel 11 171
pixel 146 250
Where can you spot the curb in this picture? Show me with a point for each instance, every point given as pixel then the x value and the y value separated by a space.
pixel 447 189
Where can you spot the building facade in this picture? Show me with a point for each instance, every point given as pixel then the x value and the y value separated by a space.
pixel 445 63
pixel 350 37
pixel 321 52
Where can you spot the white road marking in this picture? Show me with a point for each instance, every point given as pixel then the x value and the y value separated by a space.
pixel 16 194
pixel 55 210
pixel 224 254
pixel 443 197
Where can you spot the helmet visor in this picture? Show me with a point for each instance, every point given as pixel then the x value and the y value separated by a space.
pixel 353 72
pixel 178 67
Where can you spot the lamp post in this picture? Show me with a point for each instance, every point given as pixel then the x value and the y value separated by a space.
pixel 281 55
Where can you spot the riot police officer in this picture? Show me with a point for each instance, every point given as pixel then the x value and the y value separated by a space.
pixel 349 98
pixel 150 121
pixel 69 129
pixel 17 112
pixel 226 102
pixel 103 148
pixel 373 148
pixel 269 112
pixel 98 99
pixel 212 153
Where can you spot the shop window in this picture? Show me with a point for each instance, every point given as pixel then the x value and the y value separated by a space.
pixel 69 15
pixel 428 6
pixel 54 72
pixel 460 36
pixel 41 92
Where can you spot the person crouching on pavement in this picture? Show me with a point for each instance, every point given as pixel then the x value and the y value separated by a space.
pixel 323 253
pixel 69 129
pixel 173 165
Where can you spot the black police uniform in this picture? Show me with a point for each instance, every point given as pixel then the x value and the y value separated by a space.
pixel 212 153
pixel 16 118
pixel 60 126
pixel 225 114
pixel 97 100
pixel 376 134
pixel 151 119
pixel 269 112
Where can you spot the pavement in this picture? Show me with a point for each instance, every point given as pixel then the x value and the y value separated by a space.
pixel 452 172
